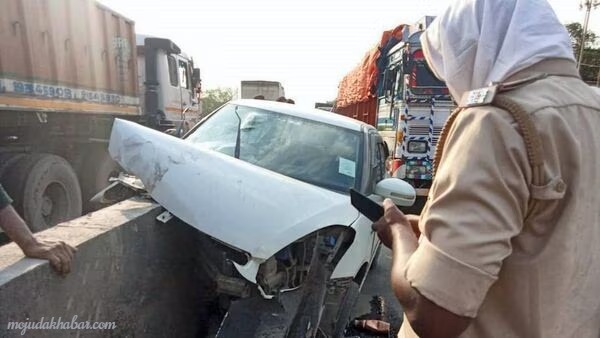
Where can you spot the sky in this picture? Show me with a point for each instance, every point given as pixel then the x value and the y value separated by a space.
pixel 307 45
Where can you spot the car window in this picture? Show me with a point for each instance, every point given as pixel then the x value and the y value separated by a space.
pixel 307 150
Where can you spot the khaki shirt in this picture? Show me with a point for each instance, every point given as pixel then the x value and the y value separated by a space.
pixel 477 256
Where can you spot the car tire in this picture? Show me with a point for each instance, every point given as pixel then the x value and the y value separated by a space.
pixel 46 190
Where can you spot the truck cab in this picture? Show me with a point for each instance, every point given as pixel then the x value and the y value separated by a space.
pixel 413 106
pixel 173 83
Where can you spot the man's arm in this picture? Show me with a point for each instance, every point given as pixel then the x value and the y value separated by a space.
pixel 426 318
pixel 59 254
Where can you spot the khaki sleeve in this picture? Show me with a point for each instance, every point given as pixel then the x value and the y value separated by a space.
pixel 476 206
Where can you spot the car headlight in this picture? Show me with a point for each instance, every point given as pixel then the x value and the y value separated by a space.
pixel 417 147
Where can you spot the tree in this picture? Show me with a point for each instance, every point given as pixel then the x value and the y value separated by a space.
pixel 576 31
pixel 590 63
pixel 214 98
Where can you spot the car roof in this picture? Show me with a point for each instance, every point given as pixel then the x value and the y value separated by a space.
pixel 318 115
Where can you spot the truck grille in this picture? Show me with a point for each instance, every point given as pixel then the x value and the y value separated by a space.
pixel 423 130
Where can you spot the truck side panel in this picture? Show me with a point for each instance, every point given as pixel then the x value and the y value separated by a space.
pixel 66 56
pixel 365 111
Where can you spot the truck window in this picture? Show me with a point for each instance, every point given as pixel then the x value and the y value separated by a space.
pixel 183 75
pixel 172 71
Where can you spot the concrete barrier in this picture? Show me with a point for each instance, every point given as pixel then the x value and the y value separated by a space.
pixel 130 270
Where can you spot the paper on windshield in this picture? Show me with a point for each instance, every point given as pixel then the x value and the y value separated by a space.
pixel 347 167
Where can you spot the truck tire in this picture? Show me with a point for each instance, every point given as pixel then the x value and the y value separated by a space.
pixel 45 189
pixel 98 168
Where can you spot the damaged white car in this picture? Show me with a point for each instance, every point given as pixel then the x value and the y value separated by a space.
pixel 267 185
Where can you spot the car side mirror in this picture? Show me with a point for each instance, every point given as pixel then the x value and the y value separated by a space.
pixel 400 192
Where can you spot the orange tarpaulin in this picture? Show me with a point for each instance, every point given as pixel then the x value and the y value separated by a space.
pixel 359 85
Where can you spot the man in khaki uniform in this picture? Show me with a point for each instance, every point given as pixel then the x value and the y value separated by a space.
pixel 510 243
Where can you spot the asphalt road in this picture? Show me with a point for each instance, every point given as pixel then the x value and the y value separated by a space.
pixel 378 284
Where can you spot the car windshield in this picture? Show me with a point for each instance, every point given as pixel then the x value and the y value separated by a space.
pixel 314 152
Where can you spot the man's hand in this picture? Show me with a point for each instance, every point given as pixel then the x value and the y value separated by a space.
pixel 398 232
pixel 395 223
pixel 59 254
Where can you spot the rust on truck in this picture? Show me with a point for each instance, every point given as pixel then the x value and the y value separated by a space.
pixel 68 56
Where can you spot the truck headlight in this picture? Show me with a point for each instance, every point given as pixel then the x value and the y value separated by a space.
pixel 419 147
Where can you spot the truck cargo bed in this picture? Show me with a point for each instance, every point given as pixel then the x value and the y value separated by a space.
pixel 70 56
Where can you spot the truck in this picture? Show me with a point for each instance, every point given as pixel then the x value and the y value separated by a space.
pixel 68 68
pixel 269 90
pixel 394 90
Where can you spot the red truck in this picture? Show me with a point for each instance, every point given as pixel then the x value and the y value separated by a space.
pixel 394 90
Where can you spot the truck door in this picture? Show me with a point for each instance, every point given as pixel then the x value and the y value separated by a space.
pixel 187 94
pixel 173 107
pixel 180 93
pixel 184 83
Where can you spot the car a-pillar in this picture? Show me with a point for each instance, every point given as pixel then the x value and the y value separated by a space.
pixel 44 187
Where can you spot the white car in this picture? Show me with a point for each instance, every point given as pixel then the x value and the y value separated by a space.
pixel 267 184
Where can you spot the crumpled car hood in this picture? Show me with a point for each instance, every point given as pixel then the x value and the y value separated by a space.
pixel 240 204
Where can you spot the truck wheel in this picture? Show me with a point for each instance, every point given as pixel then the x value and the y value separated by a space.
pixel 97 170
pixel 46 190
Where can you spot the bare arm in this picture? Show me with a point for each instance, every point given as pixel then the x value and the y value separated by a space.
pixel 15 228
pixel 59 254
pixel 425 317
